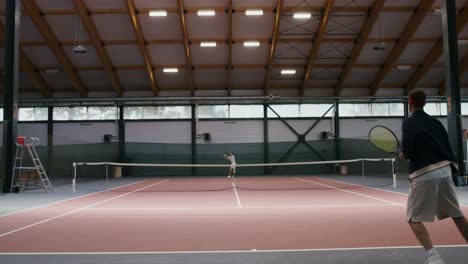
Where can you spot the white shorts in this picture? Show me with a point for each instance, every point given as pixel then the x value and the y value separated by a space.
pixel 431 198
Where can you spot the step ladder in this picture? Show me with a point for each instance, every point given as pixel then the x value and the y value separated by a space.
pixel 29 144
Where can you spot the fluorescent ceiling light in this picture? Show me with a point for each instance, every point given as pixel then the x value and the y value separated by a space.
pixel 251 43
pixel 302 15
pixel 254 12
pixel 170 70
pixel 208 44
pixel 206 12
pixel 157 13
pixel 288 72
pixel 404 67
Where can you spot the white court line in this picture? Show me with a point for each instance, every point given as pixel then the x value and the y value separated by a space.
pixel 347 191
pixel 373 188
pixel 230 208
pixel 367 187
pixel 239 204
pixel 66 200
pixel 78 209
pixel 225 251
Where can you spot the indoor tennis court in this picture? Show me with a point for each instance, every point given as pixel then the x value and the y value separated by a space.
pixel 233 131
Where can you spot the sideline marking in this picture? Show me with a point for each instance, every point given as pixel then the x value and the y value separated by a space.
pixel 66 200
pixel 348 191
pixel 227 251
pixel 78 209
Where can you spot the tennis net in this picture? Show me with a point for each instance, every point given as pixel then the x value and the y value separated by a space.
pixel 95 176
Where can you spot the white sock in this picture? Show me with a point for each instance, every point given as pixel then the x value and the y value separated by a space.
pixel 432 252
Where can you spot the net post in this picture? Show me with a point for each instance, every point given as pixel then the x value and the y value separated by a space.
pixel 74 177
pixel 394 173
pixel 363 169
pixel 107 175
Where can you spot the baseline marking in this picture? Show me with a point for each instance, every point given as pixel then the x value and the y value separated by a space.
pixel 79 209
pixel 347 191
pixel 226 251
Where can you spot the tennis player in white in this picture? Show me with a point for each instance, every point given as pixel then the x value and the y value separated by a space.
pixel 232 170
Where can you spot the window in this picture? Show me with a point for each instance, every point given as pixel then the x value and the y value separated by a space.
pixel 212 111
pixel 396 109
pixel 315 110
pixel 85 113
pixel 464 108
pixel 379 109
pixel 284 111
pixel 246 111
pixel 157 112
pixel 362 110
pixel 78 113
pixel 33 114
pixel 346 110
pixel 133 112
pixel 175 112
pixel 150 112
pixel 102 113
pixel 371 109
pixel 61 113
pixel 443 109
pixel 432 108
pixel 1 114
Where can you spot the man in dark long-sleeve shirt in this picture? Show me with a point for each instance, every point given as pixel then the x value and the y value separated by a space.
pixel 425 143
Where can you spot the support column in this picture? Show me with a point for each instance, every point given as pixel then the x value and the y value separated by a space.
pixel 194 138
pixel 10 101
pixel 50 141
pixel 266 150
pixel 121 124
pixel 405 109
pixel 336 126
pixel 452 79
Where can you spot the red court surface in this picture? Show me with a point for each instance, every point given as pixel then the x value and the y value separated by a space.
pixel 138 218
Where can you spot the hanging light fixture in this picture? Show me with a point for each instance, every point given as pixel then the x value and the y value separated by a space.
pixel 79 42
pixel 379 44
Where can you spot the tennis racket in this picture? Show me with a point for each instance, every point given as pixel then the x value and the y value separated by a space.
pixel 384 139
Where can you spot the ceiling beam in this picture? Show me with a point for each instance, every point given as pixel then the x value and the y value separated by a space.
pixel 188 56
pixel 98 45
pixel 222 66
pixel 337 9
pixel 222 40
pixel 144 88
pixel 435 53
pixel 360 42
pixel 142 45
pixel 274 38
pixel 33 74
pixel 316 43
pixel 229 66
pixel 47 33
pixel 410 29
pixel 29 69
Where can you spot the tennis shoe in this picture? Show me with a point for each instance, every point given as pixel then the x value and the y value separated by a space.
pixel 436 259
pixel 229 176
